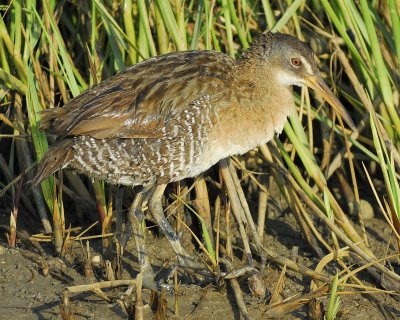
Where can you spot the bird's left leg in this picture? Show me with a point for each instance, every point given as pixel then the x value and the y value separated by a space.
pixel 155 207
pixel 136 218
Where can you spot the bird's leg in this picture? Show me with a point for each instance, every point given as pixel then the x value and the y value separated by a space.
pixel 136 217
pixel 155 207
pixel 117 254
pixel 118 203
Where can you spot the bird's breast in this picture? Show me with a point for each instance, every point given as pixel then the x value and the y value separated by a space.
pixel 242 128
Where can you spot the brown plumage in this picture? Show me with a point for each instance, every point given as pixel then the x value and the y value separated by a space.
pixel 144 108
pixel 174 116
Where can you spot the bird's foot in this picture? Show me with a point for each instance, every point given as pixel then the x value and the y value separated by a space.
pixel 191 267
pixel 148 276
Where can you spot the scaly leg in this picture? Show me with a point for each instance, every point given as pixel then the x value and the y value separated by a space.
pixel 155 207
pixel 136 219
pixel 118 203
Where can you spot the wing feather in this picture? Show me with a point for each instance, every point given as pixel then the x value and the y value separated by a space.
pixel 137 102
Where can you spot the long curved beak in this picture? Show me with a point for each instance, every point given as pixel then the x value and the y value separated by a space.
pixel 316 83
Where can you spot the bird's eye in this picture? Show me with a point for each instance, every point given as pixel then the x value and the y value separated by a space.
pixel 296 62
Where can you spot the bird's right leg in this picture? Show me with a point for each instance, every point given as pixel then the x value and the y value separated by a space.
pixel 155 207
pixel 136 219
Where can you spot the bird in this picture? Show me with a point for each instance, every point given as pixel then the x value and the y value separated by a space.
pixel 174 116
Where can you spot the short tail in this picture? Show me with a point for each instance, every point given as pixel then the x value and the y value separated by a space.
pixel 57 157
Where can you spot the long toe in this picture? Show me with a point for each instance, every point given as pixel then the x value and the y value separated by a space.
pixel 191 267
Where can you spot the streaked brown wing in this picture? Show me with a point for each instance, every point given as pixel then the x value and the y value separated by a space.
pixel 137 102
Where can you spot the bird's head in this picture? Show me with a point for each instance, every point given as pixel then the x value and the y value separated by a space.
pixel 289 61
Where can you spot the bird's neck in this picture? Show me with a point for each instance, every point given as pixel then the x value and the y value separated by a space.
pixel 260 92
pixel 255 110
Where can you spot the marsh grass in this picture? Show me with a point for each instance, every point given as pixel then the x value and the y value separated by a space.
pixel 51 51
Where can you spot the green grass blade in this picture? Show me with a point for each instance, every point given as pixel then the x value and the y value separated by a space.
pixel 171 24
pixel 197 27
pixel 269 15
pixel 130 30
pixel 38 137
pixel 146 27
pixel 383 79
pixel 394 10
pixel 236 23
pixel 291 10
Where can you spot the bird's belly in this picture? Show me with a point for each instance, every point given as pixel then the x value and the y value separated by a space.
pixel 237 142
pixel 163 160
pixel 140 161
pixel 216 151
pixel 117 161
